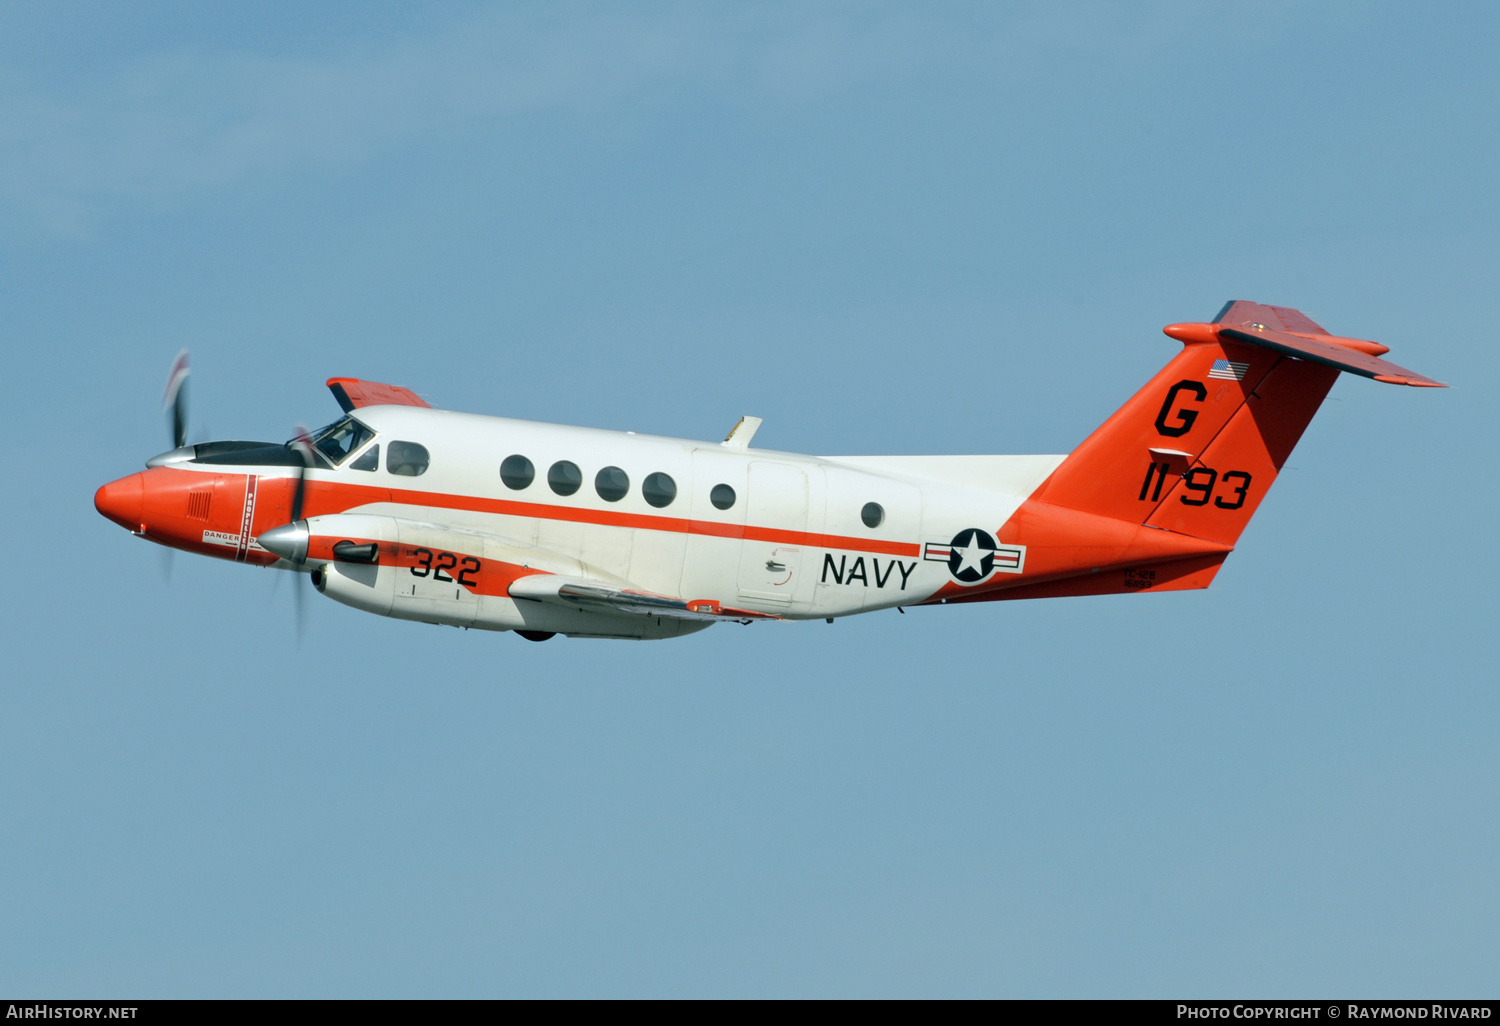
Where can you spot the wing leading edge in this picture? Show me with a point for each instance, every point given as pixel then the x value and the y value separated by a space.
pixel 595 596
pixel 353 393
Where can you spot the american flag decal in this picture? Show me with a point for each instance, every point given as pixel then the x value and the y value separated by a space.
pixel 1228 370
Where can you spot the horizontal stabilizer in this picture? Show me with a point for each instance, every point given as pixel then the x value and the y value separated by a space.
pixel 1291 333
pixel 353 393
pixel 1278 318
pixel 1331 352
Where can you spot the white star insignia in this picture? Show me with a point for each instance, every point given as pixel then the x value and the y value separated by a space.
pixel 971 555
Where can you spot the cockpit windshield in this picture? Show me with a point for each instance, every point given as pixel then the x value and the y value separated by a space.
pixel 339 440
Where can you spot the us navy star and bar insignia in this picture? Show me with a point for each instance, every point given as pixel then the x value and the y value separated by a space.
pixel 973 555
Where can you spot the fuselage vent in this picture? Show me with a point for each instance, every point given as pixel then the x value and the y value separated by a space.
pixel 198 500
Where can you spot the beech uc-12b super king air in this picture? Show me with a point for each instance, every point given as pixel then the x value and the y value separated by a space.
pixel 475 521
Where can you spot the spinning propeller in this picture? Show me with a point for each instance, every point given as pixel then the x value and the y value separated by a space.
pixel 175 406
pixel 302 446
pixel 174 401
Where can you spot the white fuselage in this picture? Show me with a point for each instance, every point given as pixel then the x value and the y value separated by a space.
pixel 792 543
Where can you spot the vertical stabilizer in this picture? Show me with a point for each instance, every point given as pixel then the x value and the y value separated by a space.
pixel 1130 465
pixel 1159 494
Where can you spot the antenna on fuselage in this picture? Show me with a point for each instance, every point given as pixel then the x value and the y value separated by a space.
pixel 739 436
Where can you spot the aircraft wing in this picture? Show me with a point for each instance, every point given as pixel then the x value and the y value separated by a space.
pixel 595 596
pixel 502 565
pixel 352 393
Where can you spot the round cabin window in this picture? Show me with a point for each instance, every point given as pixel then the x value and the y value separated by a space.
pixel 611 483
pixel 872 514
pixel 517 472
pixel 564 477
pixel 722 496
pixel 659 489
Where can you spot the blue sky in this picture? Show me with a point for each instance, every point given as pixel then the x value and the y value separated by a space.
pixel 883 229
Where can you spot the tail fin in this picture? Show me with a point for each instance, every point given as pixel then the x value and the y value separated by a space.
pixel 1215 497
pixel 1130 465
pixel 1174 476
pixel 1195 450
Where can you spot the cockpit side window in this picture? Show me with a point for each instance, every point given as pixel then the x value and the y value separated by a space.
pixel 335 442
pixel 369 461
pixel 408 459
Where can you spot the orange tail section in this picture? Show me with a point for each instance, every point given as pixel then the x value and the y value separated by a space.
pixel 1157 496
pixel 1216 496
pixel 1127 467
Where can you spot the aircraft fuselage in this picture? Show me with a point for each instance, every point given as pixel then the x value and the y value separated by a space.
pixel 793 536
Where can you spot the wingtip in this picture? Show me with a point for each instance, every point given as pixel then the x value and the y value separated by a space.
pixel 1392 379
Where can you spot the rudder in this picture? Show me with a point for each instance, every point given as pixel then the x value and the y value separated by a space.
pixel 1216 497
pixel 1129 465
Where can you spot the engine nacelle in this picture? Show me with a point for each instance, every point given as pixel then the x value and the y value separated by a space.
pixel 443 575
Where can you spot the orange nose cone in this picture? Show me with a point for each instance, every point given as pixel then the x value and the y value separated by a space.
pixel 122 500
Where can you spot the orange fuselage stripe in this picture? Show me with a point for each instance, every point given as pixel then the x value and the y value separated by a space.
pixel 350 495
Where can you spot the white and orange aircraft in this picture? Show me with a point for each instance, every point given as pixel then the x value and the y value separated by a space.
pixel 475 521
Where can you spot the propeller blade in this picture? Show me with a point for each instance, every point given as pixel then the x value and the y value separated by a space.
pixel 303 446
pixel 174 400
pixel 301 609
pixel 297 493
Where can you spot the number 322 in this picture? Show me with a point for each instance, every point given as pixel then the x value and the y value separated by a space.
pixel 445 561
